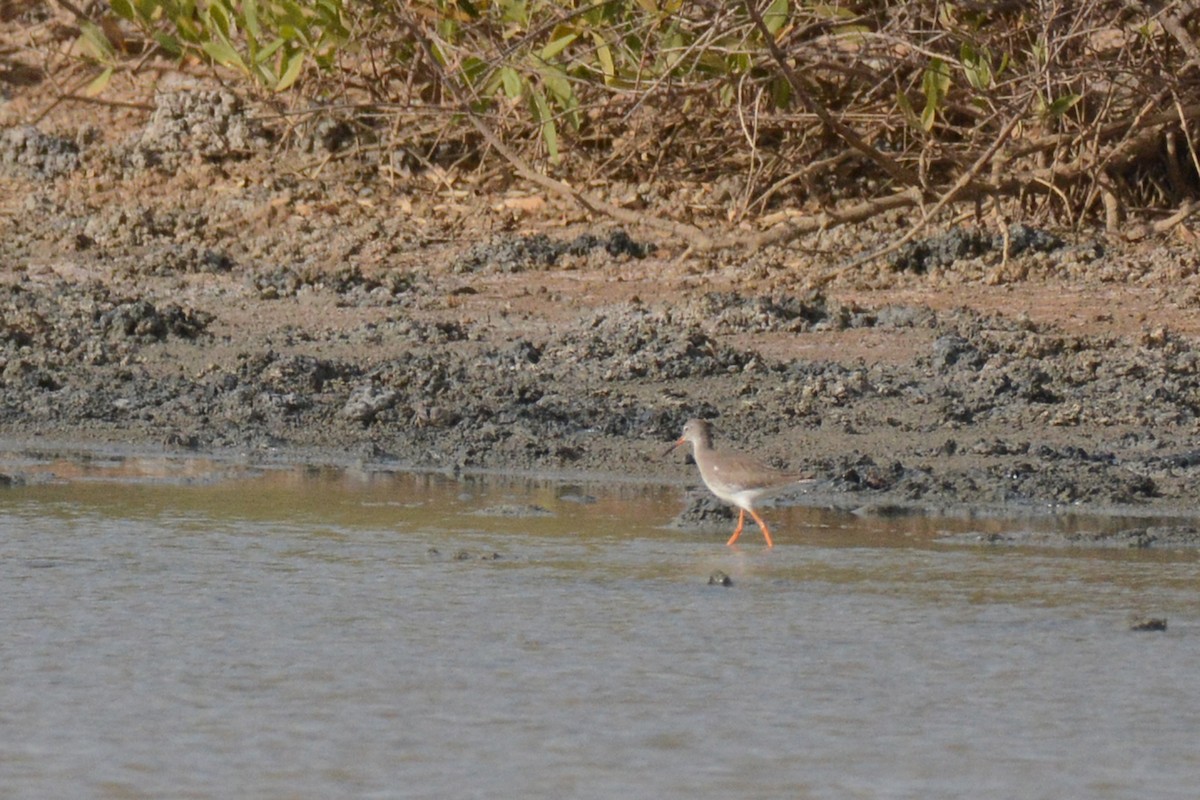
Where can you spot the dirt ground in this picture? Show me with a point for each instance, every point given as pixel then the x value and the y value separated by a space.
pixel 173 276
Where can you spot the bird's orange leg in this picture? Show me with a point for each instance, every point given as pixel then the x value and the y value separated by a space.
pixel 763 525
pixel 738 531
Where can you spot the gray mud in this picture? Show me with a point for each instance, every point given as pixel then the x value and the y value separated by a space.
pixel 170 286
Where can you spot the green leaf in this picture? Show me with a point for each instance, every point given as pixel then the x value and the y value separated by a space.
pixel 550 136
pixel 265 53
pixel 1004 61
pixel 936 84
pixel 977 66
pixel 155 9
pixel 512 82
pixel 928 116
pixel 224 54
pixel 263 73
pixel 562 93
pixel 438 54
pixel 597 14
pixel 832 12
pixel 99 84
pixel 541 109
pixel 293 14
pixel 219 18
pixel 549 131
pixel 781 93
pixel 906 108
pixel 1063 104
pixel 123 9
pixel 168 43
pixel 1039 51
pixel 936 80
pixel 515 11
pixel 294 33
pixel 604 56
pixel 191 30
pixel 293 65
pixel 776 16
pixel 250 17
pixel 331 15
pixel 556 81
pixel 473 69
pixel 94 43
pixel 556 46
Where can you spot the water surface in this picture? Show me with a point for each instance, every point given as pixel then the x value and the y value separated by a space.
pixel 194 629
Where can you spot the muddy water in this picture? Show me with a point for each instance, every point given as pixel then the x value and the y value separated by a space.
pixel 191 629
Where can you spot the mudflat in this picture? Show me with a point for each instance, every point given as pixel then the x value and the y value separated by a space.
pixel 177 273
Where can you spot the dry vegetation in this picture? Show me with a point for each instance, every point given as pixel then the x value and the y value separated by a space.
pixel 760 119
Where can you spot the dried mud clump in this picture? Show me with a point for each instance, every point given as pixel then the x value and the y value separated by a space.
pixel 27 152
pixel 301 373
pixel 66 319
pixel 702 510
pixel 633 343
pixel 964 243
pixel 735 312
pixel 328 131
pixel 136 225
pixel 137 240
pixel 367 400
pixel 141 319
pixel 181 259
pixel 349 282
pixel 538 251
pixel 211 125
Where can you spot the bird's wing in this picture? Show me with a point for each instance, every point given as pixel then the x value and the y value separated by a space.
pixel 742 472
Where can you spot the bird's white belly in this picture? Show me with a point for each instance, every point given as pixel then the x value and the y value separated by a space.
pixel 742 498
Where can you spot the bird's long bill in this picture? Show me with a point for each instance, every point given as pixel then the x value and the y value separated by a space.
pixel 667 452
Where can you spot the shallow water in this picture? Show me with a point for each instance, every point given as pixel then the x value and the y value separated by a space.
pixel 195 629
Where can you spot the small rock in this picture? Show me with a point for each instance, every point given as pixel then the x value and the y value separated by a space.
pixel 366 401
pixel 513 510
pixel 1149 624
pixel 719 578
pixel 573 495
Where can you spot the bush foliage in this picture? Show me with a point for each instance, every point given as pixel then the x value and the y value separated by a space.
pixel 1074 111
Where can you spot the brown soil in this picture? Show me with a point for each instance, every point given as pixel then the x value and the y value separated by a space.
pixel 175 277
